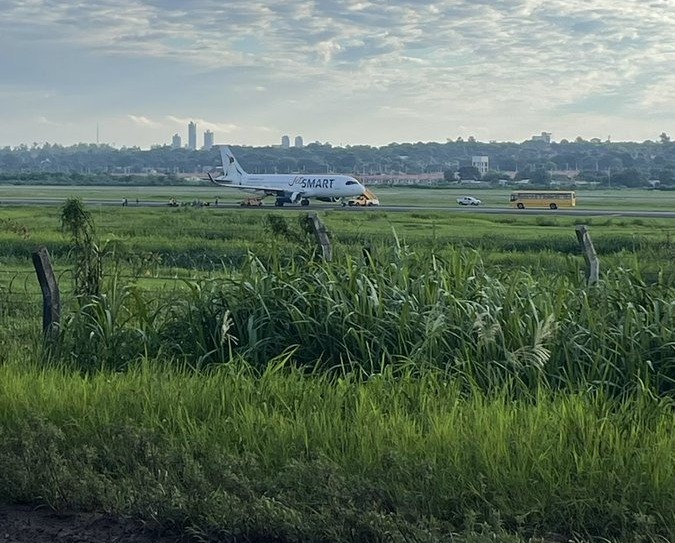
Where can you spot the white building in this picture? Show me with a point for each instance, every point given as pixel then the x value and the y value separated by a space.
pixel 176 142
pixel 208 140
pixel 192 136
pixel 545 137
pixel 298 142
pixel 481 163
pixel 285 142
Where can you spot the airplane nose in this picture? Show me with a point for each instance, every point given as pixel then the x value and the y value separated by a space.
pixel 363 189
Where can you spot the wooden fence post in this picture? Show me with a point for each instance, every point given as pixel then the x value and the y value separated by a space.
pixel 321 236
pixel 51 299
pixel 590 256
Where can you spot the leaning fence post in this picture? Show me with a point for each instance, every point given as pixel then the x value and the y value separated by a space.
pixel 590 256
pixel 51 299
pixel 321 236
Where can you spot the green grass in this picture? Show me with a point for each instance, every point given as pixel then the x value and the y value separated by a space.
pixel 288 457
pixel 590 199
pixel 458 383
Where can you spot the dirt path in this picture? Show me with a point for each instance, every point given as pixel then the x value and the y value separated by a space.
pixel 24 524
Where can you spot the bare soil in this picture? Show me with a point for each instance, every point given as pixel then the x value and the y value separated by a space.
pixel 25 524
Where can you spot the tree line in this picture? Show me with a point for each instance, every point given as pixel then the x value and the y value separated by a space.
pixel 604 162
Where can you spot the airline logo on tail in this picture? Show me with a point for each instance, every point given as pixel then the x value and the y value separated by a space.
pixel 233 171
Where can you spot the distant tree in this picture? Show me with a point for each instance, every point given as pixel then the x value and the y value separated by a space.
pixel 449 175
pixel 667 176
pixel 469 172
pixel 630 177
pixel 664 138
pixel 492 177
pixel 540 177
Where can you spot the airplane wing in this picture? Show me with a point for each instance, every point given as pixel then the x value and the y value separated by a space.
pixel 267 190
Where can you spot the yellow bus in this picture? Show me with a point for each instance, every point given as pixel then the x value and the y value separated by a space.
pixel 553 199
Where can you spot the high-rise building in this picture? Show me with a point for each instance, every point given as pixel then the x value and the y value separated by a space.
pixel 285 142
pixel 208 140
pixel 176 142
pixel 298 142
pixel 192 136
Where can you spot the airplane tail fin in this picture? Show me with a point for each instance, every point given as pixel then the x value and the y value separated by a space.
pixel 232 171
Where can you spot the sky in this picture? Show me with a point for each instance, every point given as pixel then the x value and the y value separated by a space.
pixel 348 72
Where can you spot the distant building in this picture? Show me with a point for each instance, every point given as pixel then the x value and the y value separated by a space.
pixel 298 142
pixel 285 142
pixel 208 140
pixel 403 179
pixel 481 163
pixel 545 137
pixel 176 142
pixel 192 136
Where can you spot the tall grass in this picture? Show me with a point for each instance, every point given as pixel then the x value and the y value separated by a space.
pixel 285 456
pixel 401 308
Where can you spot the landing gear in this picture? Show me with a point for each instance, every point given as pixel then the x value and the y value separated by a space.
pixel 304 202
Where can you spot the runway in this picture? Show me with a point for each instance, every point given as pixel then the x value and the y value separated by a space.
pixel 578 212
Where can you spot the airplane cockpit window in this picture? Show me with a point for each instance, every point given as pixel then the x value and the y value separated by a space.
pixel 352 183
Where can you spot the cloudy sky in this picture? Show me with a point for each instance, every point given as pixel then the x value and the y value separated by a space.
pixel 346 72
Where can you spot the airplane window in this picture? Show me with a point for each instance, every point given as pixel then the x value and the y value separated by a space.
pixel 351 183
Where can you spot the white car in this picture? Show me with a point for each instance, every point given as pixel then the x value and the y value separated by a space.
pixel 468 201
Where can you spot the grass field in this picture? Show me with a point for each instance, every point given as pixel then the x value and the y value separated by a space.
pixel 459 382
pixel 592 199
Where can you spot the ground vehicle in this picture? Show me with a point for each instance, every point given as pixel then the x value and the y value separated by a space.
pixel 251 202
pixel 468 201
pixel 553 199
pixel 365 199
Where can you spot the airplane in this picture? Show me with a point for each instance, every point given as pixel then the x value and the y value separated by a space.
pixel 287 188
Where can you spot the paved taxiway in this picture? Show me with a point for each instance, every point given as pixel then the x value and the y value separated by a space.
pixel 579 212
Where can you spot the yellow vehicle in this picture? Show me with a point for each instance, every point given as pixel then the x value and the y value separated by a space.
pixel 552 199
pixel 252 201
pixel 368 198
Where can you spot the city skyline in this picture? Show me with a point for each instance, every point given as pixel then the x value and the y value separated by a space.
pixel 366 72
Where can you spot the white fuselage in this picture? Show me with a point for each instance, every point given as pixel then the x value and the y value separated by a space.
pixel 286 187
pixel 309 186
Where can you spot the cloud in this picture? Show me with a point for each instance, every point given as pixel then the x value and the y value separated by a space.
pixel 143 121
pixel 223 128
pixel 41 119
pixel 486 62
